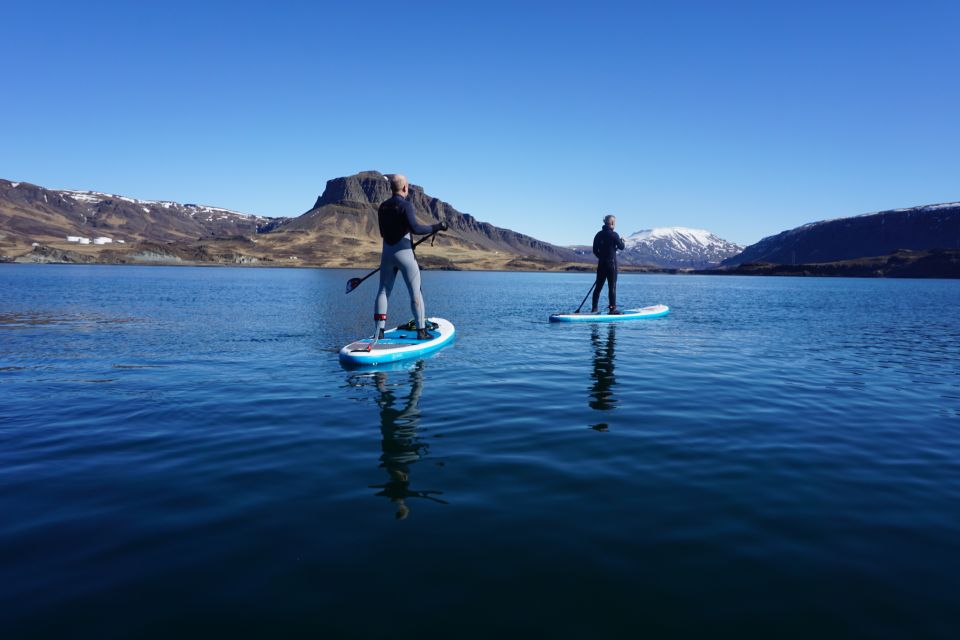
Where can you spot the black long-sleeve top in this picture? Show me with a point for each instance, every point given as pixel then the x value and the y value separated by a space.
pixel 396 218
pixel 606 243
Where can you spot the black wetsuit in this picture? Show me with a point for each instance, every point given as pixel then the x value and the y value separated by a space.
pixel 397 219
pixel 605 245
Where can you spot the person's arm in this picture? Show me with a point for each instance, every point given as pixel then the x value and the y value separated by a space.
pixel 620 243
pixel 416 227
pixel 596 245
pixel 380 219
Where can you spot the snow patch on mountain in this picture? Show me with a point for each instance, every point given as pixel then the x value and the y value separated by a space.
pixel 95 197
pixel 672 234
pixel 927 208
pixel 677 247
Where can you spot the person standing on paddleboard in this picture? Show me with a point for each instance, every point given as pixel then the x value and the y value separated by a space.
pixel 605 246
pixel 397 221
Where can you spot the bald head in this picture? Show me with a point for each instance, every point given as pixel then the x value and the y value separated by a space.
pixel 398 183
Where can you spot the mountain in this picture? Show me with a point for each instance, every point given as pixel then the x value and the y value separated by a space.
pixel 677 247
pixel 339 230
pixel 342 226
pixel 921 228
pixel 903 263
pixel 29 214
pixel 671 248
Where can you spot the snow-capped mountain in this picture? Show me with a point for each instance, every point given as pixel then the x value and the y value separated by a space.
pixel 38 214
pixel 192 210
pixel 677 247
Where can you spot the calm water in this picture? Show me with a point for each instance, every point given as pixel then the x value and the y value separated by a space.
pixel 181 454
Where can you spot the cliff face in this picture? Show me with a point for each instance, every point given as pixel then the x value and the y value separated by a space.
pixel 364 188
pixel 348 208
pixel 875 234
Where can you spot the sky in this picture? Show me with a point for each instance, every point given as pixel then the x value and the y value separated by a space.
pixel 743 118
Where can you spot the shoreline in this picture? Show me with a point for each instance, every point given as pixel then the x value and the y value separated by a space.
pixel 934 263
pixel 919 269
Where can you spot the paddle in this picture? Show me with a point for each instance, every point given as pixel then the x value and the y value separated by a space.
pixel 586 296
pixel 353 283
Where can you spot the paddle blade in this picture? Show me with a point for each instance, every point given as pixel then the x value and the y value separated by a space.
pixel 352 284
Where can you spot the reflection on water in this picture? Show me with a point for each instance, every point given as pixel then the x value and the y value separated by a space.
pixel 401 442
pixel 601 391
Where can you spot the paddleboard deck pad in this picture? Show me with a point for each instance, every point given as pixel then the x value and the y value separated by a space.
pixel 398 344
pixel 656 311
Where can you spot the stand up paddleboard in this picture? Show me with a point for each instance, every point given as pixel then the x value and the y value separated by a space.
pixel 398 344
pixel 656 311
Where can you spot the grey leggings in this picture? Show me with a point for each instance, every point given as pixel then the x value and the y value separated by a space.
pixel 400 257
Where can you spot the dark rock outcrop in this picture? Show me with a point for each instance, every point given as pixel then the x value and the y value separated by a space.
pixel 362 189
pixel 43 254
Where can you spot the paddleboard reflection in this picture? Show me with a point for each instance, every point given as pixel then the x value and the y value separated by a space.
pixel 603 338
pixel 401 443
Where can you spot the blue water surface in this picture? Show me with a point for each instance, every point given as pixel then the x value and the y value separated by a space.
pixel 181 454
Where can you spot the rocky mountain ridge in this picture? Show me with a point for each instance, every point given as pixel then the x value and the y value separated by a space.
pixel 43 215
pixel 933 263
pixel 340 230
pixel 882 233
pixel 347 208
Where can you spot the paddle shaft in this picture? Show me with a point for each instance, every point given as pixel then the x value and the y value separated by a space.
pixel 356 283
pixel 586 296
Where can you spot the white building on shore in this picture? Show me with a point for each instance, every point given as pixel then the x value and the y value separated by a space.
pixel 97 240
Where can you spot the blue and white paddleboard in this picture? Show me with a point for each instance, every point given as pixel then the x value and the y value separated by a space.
pixel 397 344
pixel 656 311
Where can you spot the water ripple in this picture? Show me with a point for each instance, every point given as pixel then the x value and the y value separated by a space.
pixel 777 457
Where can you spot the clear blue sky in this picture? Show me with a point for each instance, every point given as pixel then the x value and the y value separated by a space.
pixel 745 118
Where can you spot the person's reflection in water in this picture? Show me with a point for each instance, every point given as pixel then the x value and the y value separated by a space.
pixel 401 443
pixel 601 391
